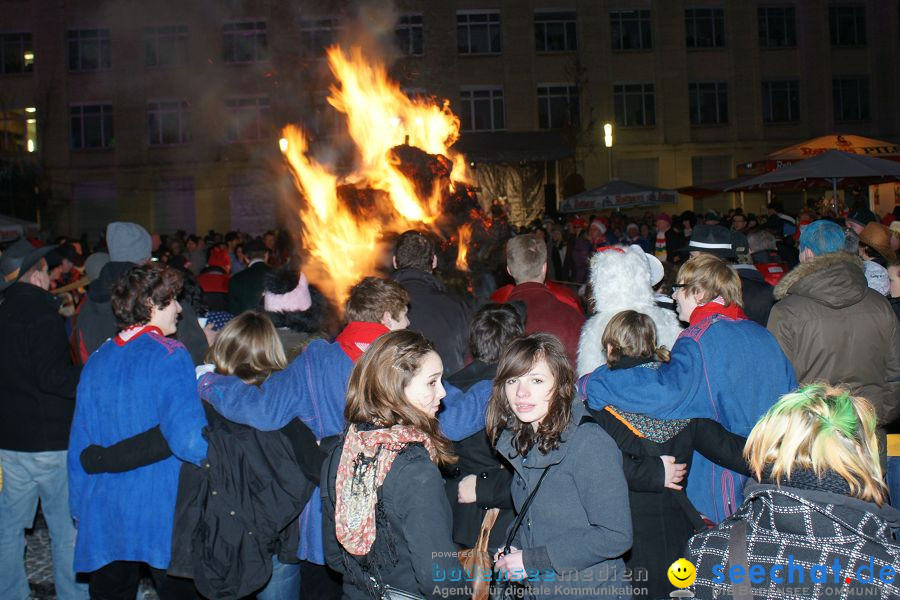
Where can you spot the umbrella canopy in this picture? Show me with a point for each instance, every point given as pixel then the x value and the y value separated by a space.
pixel 828 168
pixel 711 188
pixel 618 194
pixel 854 144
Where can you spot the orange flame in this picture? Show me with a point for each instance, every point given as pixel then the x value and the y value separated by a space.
pixel 379 116
pixel 465 236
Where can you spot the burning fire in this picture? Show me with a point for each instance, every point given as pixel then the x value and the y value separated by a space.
pixel 338 233
pixel 465 237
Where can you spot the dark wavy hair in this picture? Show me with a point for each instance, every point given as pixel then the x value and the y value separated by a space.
pixel 517 359
pixel 375 392
pixel 141 288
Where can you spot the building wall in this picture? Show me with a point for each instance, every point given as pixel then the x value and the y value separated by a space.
pixel 132 173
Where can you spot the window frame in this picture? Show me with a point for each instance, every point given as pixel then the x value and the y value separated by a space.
pixel 643 93
pixel 496 94
pixel 834 30
pixel 410 28
pixel 104 49
pixel 790 26
pixel 566 22
pixel 261 108
pixel 110 139
pixel 237 34
pixel 24 47
pixel 793 95
pixel 716 14
pixel 692 95
pixel 310 35
pixel 572 98
pixel 865 108
pixel 182 110
pixel 155 34
pixel 490 24
pixel 640 20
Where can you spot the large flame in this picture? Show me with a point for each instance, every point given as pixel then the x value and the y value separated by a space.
pixel 462 253
pixel 380 117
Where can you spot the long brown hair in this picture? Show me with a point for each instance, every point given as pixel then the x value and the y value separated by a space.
pixel 376 391
pixel 248 347
pixel 633 334
pixel 517 359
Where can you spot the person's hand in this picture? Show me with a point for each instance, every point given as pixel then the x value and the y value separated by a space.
pixel 675 472
pixel 512 564
pixel 465 492
pixel 210 333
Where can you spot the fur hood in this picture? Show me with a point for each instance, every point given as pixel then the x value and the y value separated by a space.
pixel 836 280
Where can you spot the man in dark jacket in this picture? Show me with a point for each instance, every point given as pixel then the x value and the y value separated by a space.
pixel 526 262
pixel 436 314
pixel 36 407
pixel 833 327
pixel 246 288
pixel 129 244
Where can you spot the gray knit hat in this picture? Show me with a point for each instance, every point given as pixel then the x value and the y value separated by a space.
pixel 127 242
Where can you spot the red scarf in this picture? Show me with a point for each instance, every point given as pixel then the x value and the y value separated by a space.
pixel 716 306
pixel 141 330
pixel 359 335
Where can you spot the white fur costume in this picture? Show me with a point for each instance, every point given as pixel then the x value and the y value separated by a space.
pixel 621 281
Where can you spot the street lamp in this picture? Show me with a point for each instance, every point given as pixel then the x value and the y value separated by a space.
pixel 608 142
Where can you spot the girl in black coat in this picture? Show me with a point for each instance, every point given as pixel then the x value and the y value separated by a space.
pixel 663 518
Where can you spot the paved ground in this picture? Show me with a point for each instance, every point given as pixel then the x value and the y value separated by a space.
pixel 39 566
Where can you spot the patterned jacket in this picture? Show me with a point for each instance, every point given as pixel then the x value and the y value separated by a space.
pixel 788 532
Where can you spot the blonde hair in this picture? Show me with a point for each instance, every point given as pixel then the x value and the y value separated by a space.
pixel 248 347
pixel 526 256
pixel 633 334
pixel 819 428
pixel 711 276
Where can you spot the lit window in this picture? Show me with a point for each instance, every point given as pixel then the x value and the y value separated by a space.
pixel 16 53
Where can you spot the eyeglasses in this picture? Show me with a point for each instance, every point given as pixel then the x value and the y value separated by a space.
pixel 677 286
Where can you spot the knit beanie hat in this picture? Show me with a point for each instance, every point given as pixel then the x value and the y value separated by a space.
pixel 127 242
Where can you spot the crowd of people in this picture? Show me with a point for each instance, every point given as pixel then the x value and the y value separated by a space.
pixel 609 395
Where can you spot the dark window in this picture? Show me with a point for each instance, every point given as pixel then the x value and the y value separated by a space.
pixel 777 27
pixel 708 103
pixel 91 125
pixel 630 30
pixel 781 101
pixel 318 34
pixel 555 31
pixel 88 49
pixel 244 42
pixel 478 32
pixel 634 104
pixel 482 109
pixel 165 46
pixel 557 106
pixel 410 34
pixel 168 122
pixel 705 27
pixel 848 25
pixel 16 53
pixel 851 99
pixel 248 118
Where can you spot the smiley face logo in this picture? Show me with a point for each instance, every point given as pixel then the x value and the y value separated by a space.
pixel 682 573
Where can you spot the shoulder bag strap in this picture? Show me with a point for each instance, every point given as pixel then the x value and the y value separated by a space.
pixel 519 517
pixel 737 555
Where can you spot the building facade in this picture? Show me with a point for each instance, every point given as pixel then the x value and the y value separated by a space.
pixel 169 113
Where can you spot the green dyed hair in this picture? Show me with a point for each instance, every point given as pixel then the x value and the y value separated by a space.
pixel 820 428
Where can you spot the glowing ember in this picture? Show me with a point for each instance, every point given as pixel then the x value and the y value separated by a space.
pixel 341 228
pixel 465 237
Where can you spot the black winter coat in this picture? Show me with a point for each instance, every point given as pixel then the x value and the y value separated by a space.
pixel 478 457
pixel 36 370
pixel 758 295
pixel 418 527
pixel 439 316
pixel 664 519
pixel 238 510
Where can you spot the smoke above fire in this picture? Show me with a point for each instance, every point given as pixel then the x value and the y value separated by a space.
pixel 407 176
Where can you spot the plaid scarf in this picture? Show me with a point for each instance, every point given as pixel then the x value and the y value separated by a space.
pixel 366 459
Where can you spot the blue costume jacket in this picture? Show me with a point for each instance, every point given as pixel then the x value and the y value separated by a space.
pixel 728 370
pixel 125 389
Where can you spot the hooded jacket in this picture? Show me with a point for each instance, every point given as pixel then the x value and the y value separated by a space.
pixel 805 528
pixel 833 328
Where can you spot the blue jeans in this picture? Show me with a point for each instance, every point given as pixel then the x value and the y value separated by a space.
pixel 893 479
pixel 28 476
pixel 284 584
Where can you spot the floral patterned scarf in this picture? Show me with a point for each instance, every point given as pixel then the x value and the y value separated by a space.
pixel 366 458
